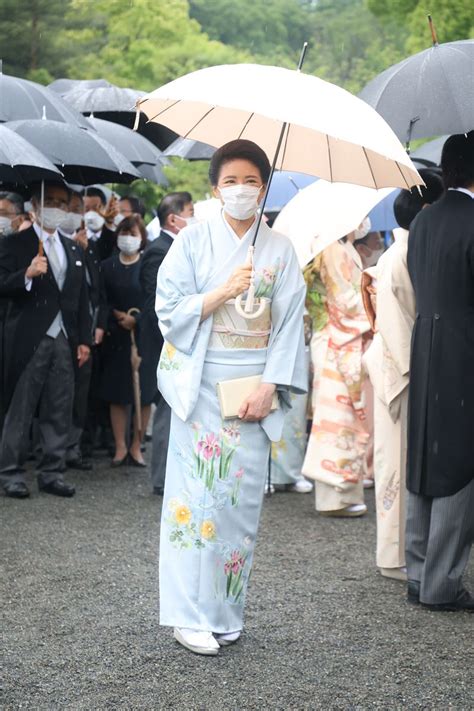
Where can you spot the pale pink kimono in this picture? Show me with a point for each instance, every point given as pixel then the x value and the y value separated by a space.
pixel 337 448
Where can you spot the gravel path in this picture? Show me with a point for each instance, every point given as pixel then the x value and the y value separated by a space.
pixel 323 630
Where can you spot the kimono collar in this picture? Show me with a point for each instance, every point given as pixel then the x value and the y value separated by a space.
pixel 233 234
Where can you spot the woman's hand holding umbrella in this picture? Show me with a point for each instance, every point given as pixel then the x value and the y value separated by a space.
pixel 237 284
pixel 125 320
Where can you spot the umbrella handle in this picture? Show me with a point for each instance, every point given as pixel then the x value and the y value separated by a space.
pixel 130 312
pixel 247 310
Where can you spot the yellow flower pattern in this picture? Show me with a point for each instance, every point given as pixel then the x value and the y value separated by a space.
pixel 182 514
pixel 208 530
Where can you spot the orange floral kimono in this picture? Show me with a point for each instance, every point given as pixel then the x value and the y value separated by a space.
pixel 336 454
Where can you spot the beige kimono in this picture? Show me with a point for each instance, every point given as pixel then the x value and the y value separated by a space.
pixel 387 362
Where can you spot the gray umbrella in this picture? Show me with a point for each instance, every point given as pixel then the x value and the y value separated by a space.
pixel 147 158
pixel 430 151
pixel 189 149
pixel 428 94
pixel 97 99
pixel 82 156
pixel 23 99
pixel 22 163
pixel 62 86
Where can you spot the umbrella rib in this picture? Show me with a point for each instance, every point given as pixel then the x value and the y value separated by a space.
pixel 370 168
pixel 163 111
pixel 401 173
pixel 246 124
pixel 198 122
pixel 329 158
pixel 285 146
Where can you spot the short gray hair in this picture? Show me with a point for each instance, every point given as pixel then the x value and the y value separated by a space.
pixel 15 199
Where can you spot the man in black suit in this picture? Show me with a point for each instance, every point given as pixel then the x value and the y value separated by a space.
pixel 47 334
pixel 101 220
pixel 175 211
pixel 86 407
pixel 440 469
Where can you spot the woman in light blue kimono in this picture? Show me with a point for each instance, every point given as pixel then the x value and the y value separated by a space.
pixel 217 468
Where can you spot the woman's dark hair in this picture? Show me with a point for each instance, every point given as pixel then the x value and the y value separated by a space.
pixel 240 149
pixel 129 223
pixel 408 203
pixel 457 161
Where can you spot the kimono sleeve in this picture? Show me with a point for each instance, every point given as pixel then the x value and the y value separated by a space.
pixel 178 305
pixel 286 364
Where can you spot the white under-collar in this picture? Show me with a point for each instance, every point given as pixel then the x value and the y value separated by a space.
pixel 464 190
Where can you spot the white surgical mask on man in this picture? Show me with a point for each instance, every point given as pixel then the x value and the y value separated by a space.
pixel 129 244
pixel 50 217
pixel 240 201
pixel 5 225
pixel 71 223
pixel 189 220
pixel 93 221
pixel 374 257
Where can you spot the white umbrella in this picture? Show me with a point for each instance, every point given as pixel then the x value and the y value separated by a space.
pixel 330 133
pixel 323 213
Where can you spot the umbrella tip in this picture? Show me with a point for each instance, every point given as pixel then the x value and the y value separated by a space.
pixel 434 35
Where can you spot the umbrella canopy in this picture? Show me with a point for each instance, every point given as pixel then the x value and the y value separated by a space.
pixel 430 152
pixel 23 99
pixel 102 98
pixel 190 150
pixel 330 133
pixel 323 213
pixel 136 148
pixel 63 86
pixel 22 163
pixel 284 187
pixel 428 94
pixel 82 156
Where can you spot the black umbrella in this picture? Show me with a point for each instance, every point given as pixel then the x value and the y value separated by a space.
pixel 22 99
pixel 82 156
pixel 117 105
pixel 22 163
pixel 430 152
pixel 189 149
pixel 144 155
pixel 428 94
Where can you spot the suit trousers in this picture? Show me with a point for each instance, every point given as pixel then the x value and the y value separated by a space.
pixel 160 441
pixel 80 409
pixel 439 536
pixel 46 385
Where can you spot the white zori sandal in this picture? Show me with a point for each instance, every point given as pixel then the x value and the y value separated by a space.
pixel 196 641
pixel 226 638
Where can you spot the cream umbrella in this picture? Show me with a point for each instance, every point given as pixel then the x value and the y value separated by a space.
pixel 323 213
pixel 329 132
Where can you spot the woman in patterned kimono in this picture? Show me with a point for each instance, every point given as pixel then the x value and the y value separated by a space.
pixel 217 468
pixel 337 448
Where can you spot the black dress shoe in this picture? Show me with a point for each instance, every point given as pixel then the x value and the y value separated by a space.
pixel 413 592
pixel 57 488
pixel 119 462
pixel 16 490
pixel 135 463
pixel 464 602
pixel 83 465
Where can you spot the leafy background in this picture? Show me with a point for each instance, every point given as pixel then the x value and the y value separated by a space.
pixel 145 43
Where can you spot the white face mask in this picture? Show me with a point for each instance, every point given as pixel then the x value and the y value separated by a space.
pixel 93 221
pixel 50 217
pixel 189 220
pixel 71 223
pixel 363 229
pixel 5 225
pixel 129 244
pixel 240 201
pixel 374 257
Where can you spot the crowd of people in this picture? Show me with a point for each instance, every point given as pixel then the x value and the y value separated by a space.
pixel 376 328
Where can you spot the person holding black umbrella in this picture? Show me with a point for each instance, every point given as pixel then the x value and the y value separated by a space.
pixel 47 335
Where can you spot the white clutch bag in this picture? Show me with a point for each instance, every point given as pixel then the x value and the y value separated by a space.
pixel 232 393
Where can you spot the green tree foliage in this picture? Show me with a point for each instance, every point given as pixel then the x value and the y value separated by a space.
pixel 453 19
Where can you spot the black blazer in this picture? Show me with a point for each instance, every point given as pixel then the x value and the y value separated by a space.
pixel 31 313
pixel 440 459
pixel 151 261
pixel 107 243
